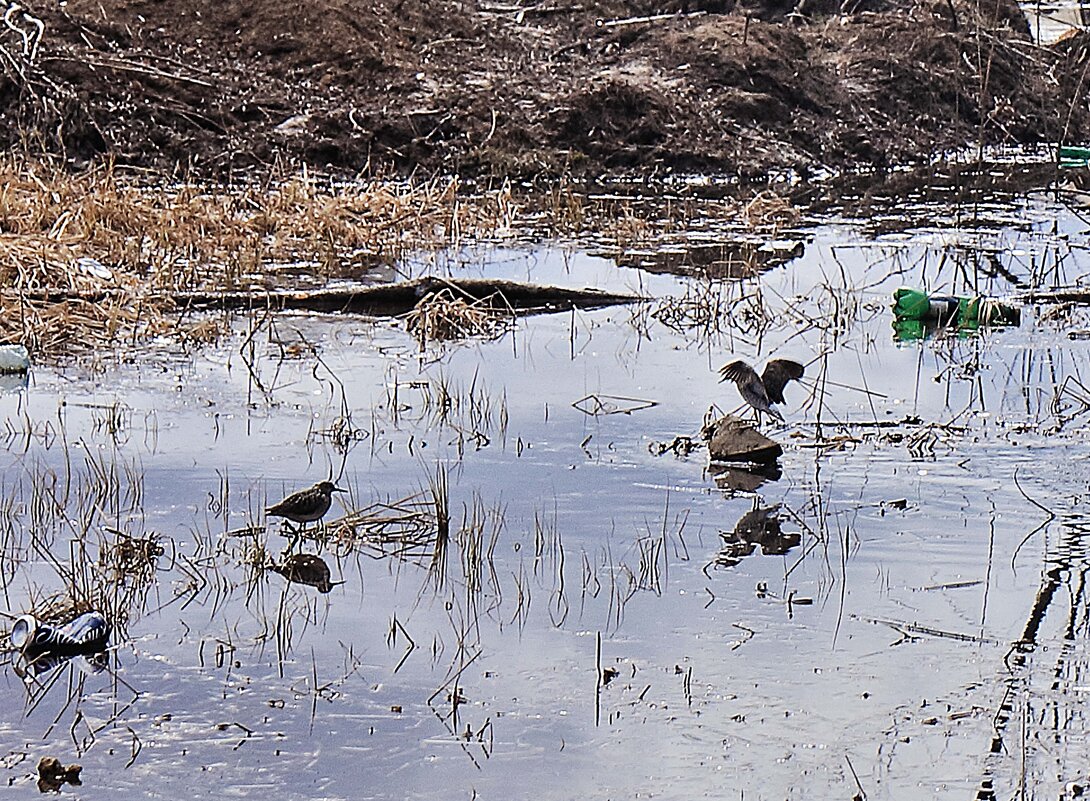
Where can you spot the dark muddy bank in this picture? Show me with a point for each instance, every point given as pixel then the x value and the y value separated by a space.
pixel 501 89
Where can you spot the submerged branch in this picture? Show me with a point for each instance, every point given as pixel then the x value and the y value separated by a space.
pixel 384 299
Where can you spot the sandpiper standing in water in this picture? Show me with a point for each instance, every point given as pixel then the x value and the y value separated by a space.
pixel 306 506
pixel 761 391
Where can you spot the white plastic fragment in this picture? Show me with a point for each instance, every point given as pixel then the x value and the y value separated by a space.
pixel 94 267
pixel 14 359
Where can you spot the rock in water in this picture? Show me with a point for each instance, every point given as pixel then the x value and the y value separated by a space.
pixel 733 440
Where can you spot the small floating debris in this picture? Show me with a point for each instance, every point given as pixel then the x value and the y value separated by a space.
pixel 52 775
pixel 594 405
pixel 306 568
pixel 14 359
pixel 792 599
pixel 1072 156
pixel 94 268
pixel 681 446
pixel 733 440
pixel 900 504
pixel 917 315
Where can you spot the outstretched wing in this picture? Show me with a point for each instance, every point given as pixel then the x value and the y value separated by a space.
pixel 776 375
pixel 739 372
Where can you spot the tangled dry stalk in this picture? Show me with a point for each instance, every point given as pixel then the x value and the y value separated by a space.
pixel 443 315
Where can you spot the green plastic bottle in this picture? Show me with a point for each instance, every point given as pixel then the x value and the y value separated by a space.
pixel 966 312
pixel 912 304
pixel 1072 156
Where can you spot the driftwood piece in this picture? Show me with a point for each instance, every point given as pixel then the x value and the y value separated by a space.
pixel 382 299
pixel 1064 295
pixel 734 440
pixel 617 23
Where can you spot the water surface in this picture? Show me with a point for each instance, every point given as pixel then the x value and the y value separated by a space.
pixel 907 623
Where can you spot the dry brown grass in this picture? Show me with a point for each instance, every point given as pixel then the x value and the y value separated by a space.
pixel 66 238
pixel 91 259
pixel 768 212
pixel 194 237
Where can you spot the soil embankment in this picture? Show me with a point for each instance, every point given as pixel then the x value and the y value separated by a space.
pixel 502 89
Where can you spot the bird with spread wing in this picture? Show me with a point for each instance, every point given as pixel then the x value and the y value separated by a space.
pixel 764 390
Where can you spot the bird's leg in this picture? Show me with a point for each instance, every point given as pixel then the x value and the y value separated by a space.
pixel 293 536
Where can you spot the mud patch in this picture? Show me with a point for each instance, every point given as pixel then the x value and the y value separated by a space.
pixel 498 89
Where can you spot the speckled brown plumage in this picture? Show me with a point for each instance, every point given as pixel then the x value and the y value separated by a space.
pixel 306 506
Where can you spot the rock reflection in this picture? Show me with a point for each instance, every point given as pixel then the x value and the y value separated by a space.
pixel 757 527
pixel 744 477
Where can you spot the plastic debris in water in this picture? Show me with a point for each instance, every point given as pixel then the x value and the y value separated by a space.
pixel 1071 156
pixel 916 313
pixel 86 634
pixel 14 359
pixel 94 268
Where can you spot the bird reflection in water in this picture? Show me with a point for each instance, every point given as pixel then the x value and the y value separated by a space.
pixel 758 527
pixel 305 568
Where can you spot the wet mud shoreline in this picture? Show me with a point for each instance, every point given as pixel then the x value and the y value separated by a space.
pixel 547 90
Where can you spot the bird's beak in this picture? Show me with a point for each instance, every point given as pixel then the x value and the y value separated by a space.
pixel 338 489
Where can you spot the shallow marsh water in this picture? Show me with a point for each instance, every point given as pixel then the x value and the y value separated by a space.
pixel 934 644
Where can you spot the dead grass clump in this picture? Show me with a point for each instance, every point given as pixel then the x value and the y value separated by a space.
pixel 131 558
pixel 768 211
pixel 47 326
pixel 193 237
pixel 403 529
pixel 442 316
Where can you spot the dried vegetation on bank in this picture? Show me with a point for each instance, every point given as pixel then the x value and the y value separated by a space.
pixel 101 257
pixel 738 87
pixel 65 237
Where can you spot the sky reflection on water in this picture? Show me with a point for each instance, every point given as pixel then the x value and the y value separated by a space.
pixel 903 556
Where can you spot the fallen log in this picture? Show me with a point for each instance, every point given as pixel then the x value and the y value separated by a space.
pixel 1064 295
pixel 380 299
